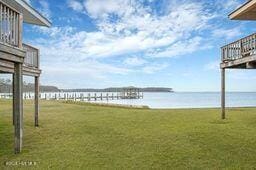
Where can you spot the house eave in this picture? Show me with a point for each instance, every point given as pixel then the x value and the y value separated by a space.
pixel 30 15
pixel 245 12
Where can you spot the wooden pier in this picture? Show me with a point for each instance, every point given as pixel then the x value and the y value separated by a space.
pixel 75 96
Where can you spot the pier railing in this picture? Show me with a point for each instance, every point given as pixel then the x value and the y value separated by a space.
pixel 10 25
pixel 239 49
pixel 32 56
pixel 74 96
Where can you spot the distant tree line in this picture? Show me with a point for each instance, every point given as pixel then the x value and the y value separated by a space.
pixel 120 89
pixel 6 87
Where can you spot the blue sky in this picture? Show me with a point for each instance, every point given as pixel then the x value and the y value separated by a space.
pixel 169 43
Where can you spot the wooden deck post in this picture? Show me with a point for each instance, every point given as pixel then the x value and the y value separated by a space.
pixel 18 107
pixel 36 101
pixel 223 116
pixel 13 102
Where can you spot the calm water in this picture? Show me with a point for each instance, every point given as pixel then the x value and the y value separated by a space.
pixel 190 100
pixel 179 99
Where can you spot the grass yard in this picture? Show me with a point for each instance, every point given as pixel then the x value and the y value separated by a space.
pixel 83 136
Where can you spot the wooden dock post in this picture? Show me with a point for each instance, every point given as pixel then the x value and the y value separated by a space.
pixel 89 96
pixel 36 100
pixel 223 114
pixel 18 107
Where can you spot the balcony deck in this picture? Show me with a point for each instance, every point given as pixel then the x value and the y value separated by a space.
pixel 30 60
pixel 240 54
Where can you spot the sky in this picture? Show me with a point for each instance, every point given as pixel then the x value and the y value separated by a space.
pixel 112 43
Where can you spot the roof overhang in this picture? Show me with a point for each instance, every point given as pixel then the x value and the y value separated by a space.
pixel 30 15
pixel 245 12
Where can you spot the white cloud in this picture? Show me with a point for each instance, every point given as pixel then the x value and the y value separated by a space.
pixel 214 65
pixel 135 28
pixel 180 48
pixel 227 33
pixel 76 5
pixel 134 61
pixel 126 28
pixel 230 4
pixel 45 8
pixel 154 68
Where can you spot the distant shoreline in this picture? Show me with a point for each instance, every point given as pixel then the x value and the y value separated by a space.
pixel 120 89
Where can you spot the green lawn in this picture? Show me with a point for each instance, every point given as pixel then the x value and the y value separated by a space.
pixel 95 137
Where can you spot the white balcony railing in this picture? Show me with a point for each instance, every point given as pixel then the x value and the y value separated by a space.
pixel 9 25
pixel 239 49
pixel 32 56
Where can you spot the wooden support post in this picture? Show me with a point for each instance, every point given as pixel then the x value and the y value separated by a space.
pixel 36 100
pixel 223 116
pixel 18 107
pixel 13 102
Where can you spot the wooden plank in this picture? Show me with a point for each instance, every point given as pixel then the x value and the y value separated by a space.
pixel 31 71
pixel 10 57
pixel 20 28
pixel 12 50
pixel 6 66
pixel 223 114
pixel 6 70
pixel 238 62
pixel 18 107
pixel 36 101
